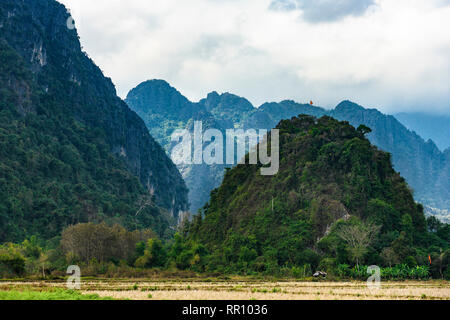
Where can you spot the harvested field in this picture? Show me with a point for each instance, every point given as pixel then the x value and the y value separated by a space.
pixel 246 289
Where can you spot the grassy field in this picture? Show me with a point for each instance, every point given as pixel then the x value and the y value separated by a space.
pixel 53 294
pixel 225 290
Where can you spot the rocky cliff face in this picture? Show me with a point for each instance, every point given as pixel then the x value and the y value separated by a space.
pixel 164 110
pixel 169 109
pixel 57 80
pixel 228 109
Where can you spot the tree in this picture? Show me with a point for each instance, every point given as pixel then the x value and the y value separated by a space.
pixel 89 241
pixel 154 255
pixel 383 214
pixel 358 237
pixel 12 262
pixel 407 226
pixel 389 256
pixel 364 129
pixel 44 263
pixel 440 261
pixel 433 224
pixel 402 246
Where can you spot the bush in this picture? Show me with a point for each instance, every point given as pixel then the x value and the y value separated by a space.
pixel 398 272
pixel 343 271
pixel 12 262
pixel 301 272
pixel 328 265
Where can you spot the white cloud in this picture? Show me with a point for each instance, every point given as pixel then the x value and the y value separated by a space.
pixel 317 11
pixel 395 56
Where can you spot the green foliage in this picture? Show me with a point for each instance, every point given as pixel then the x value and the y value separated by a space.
pixel 330 177
pixel 90 244
pixel 187 255
pixel 71 151
pixel 58 294
pixel 398 272
pixel 154 255
pixel 383 214
pixel 364 129
pixel 12 261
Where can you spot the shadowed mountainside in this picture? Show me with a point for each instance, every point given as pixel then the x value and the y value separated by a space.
pixel 71 150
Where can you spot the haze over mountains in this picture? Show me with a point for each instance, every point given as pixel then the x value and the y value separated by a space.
pixel 425 167
pixel 428 126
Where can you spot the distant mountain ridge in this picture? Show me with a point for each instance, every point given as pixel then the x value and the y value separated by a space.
pixel 424 166
pixel 428 126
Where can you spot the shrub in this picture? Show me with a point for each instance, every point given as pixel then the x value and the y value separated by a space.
pixel 12 262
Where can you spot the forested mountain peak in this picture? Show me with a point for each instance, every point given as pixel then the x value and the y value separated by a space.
pixel 331 178
pixel 161 97
pixel 229 109
pixel 348 105
pixel 419 161
pixel 226 100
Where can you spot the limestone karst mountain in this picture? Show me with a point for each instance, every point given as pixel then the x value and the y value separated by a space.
pixel 164 109
pixel 71 151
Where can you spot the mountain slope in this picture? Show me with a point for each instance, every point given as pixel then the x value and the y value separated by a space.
pixel 423 165
pixel 329 172
pixel 164 110
pixel 420 162
pixel 72 151
pixel 228 109
pixel 428 126
pixel 270 114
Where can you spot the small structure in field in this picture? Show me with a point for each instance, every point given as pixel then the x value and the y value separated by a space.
pixel 320 274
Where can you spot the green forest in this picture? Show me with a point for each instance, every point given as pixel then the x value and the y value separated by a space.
pixel 82 182
pixel 55 170
pixel 336 206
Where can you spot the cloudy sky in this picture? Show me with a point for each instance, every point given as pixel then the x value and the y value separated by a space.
pixel 390 54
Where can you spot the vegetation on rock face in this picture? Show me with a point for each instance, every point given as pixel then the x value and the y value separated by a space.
pixel 164 109
pixel 229 109
pixel 420 162
pixel 71 151
pixel 331 179
pixel 79 171
pixel 336 205
pixel 169 109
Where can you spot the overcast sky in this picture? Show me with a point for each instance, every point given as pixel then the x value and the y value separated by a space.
pixel 390 54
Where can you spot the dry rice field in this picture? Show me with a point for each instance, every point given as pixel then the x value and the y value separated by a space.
pixel 247 290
